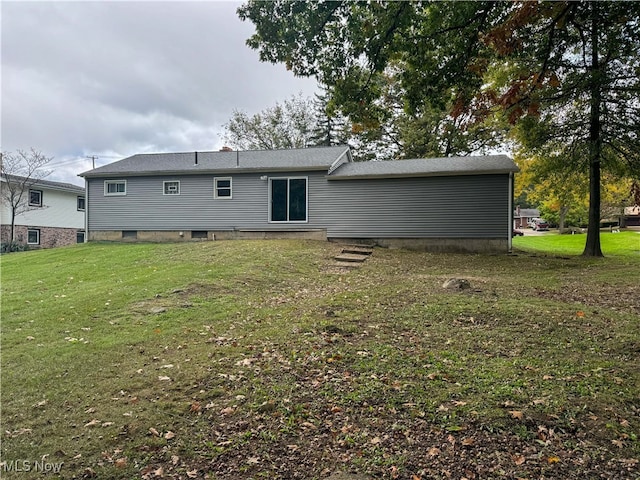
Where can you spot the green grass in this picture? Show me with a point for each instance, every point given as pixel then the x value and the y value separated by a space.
pixel 623 243
pixel 261 359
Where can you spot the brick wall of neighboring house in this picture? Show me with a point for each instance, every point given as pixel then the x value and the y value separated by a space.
pixel 49 236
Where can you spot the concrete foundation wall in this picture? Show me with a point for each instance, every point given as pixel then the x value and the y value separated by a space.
pixel 435 245
pixel 199 236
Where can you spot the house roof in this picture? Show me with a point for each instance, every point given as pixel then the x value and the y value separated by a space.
pixel 527 212
pixel 68 187
pixel 315 158
pixel 336 161
pixel 424 167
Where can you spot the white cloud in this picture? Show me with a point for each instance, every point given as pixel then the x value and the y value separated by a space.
pixel 117 78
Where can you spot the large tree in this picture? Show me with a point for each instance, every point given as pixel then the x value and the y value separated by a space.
pixel 20 171
pixel 289 124
pixel 566 74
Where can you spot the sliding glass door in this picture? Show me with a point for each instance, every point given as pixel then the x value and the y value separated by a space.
pixel 288 200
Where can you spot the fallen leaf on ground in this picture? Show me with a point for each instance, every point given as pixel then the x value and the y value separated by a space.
pixel 516 414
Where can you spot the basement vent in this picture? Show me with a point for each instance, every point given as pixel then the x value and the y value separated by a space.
pixel 130 234
pixel 199 234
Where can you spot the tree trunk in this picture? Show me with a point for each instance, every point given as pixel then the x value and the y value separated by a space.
pixel 564 209
pixel 592 247
pixel 13 226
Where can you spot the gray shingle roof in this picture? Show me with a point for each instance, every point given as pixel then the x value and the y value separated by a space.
pixel 426 167
pixel 317 158
pixel 46 183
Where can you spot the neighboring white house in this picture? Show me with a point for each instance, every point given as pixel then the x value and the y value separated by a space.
pixel 54 216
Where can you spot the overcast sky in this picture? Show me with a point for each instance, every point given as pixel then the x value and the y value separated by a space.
pixel 113 79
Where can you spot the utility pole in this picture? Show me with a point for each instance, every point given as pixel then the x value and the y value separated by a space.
pixel 93 160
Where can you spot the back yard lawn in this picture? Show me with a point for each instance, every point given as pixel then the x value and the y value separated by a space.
pixel 260 359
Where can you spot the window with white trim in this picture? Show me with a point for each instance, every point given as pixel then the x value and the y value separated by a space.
pixel 222 187
pixel 81 204
pixel 288 198
pixel 115 187
pixel 171 187
pixel 35 198
pixel 33 236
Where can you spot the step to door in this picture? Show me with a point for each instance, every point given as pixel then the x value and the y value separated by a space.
pixel 351 257
pixel 358 250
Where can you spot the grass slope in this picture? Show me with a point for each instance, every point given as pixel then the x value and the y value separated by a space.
pixel 230 360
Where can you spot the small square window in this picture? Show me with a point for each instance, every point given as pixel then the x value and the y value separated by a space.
pixel 171 188
pixel 80 237
pixel 35 198
pixel 81 204
pixel 33 236
pixel 115 187
pixel 222 187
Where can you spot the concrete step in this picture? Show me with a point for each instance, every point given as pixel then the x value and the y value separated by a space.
pixel 351 257
pixel 358 250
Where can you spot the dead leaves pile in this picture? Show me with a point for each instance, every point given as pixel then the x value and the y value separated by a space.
pixel 318 427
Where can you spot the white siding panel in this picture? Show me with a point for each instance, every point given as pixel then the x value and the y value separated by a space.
pixel 60 209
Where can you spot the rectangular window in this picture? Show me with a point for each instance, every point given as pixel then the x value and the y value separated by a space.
pixel 33 236
pixel 80 237
pixel 115 187
pixel 288 200
pixel 131 234
pixel 81 203
pixel 35 198
pixel 171 188
pixel 222 187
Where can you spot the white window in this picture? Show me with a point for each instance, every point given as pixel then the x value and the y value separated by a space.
pixel 81 204
pixel 171 187
pixel 35 198
pixel 222 187
pixel 115 187
pixel 33 236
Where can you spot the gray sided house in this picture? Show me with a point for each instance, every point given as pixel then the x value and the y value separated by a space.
pixel 440 204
